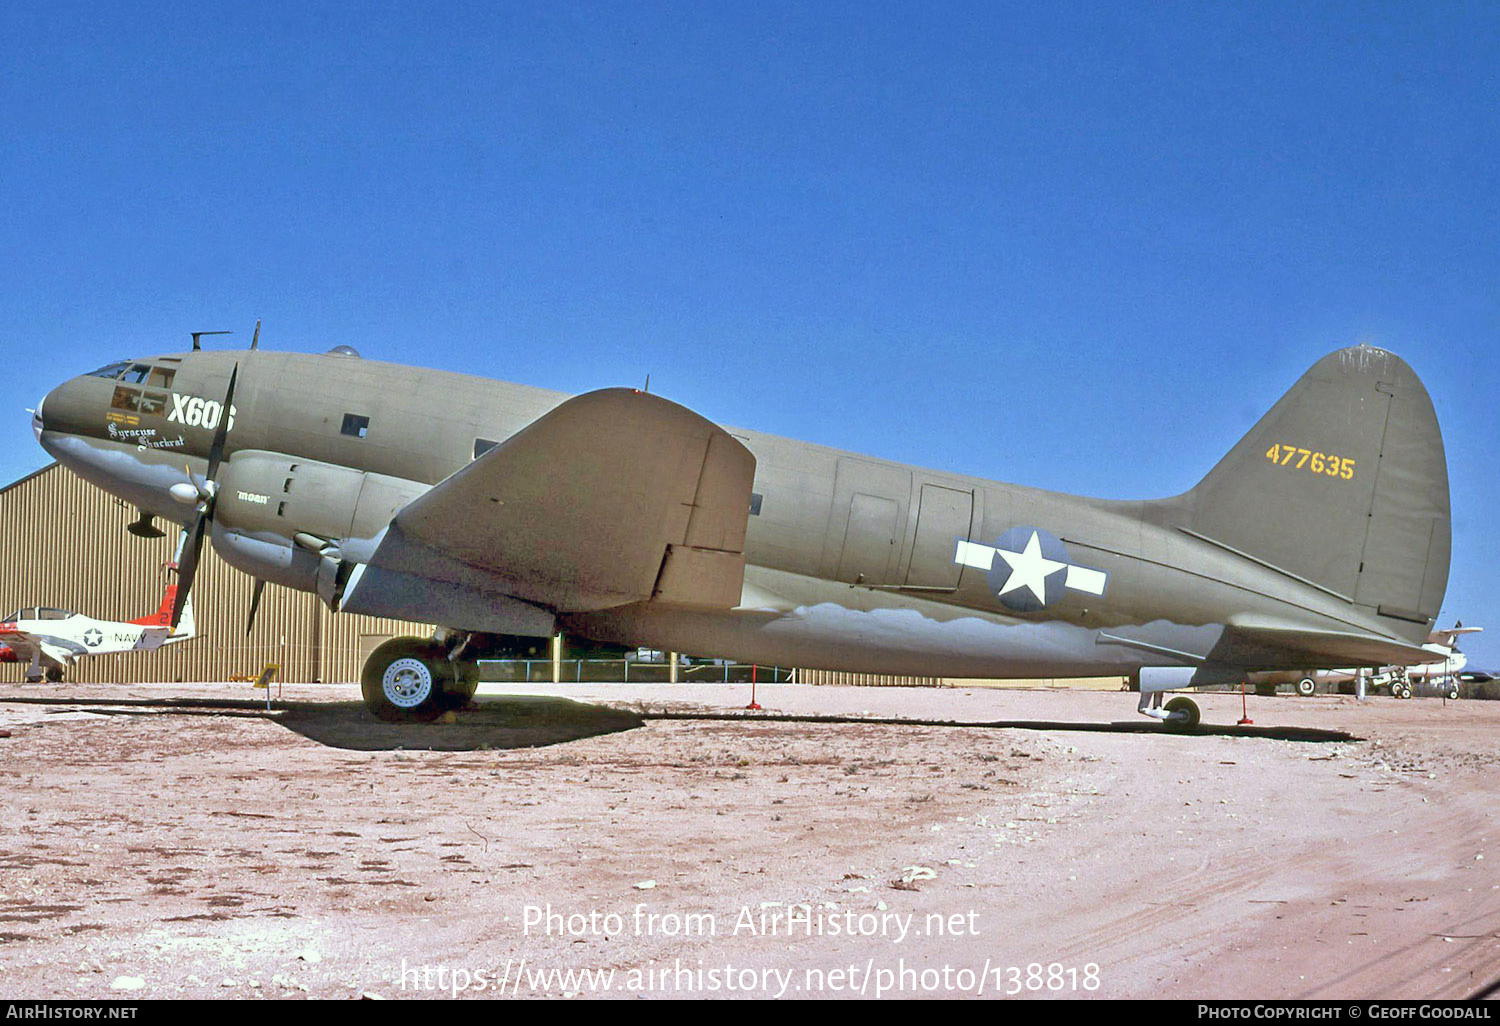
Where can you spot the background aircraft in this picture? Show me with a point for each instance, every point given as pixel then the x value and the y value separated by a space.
pixel 51 640
pixel 498 510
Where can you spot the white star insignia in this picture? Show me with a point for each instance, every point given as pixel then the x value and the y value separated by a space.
pixel 1029 569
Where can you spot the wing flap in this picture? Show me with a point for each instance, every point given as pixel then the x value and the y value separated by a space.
pixel 615 496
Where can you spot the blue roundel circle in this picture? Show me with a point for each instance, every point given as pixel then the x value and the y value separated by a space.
pixel 1030 568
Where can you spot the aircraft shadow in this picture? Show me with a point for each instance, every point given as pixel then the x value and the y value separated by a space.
pixel 1312 734
pixel 533 721
pixel 511 721
pixel 519 721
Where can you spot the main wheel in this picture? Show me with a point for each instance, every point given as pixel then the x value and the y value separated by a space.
pixel 1188 710
pixel 1403 691
pixel 461 685
pixel 1306 686
pixel 407 679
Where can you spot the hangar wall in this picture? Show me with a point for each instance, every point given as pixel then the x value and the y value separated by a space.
pixel 65 545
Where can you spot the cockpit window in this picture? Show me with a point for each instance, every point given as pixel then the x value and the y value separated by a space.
pixel 52 614
pixel 136 374
pixel 112 370
pixel 13 617
pixel 161 377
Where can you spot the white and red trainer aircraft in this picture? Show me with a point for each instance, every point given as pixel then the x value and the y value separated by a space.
pixel 52 640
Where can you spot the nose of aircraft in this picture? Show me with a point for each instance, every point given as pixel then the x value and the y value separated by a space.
pixel 73 407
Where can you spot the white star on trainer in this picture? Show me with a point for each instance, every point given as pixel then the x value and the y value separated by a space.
pixel 1029 569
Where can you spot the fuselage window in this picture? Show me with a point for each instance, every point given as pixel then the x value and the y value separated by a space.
pixel 482 446
pixel 355 426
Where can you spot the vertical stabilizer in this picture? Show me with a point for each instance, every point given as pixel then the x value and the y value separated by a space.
pixel 1344 483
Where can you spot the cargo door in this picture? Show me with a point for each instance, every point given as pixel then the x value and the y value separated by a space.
pixel 867 522
pixel 870 541
pixel 944 516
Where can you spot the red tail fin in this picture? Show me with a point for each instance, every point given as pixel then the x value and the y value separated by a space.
pixel 163 616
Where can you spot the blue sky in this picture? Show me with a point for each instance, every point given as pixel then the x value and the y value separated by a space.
pixel 1076 246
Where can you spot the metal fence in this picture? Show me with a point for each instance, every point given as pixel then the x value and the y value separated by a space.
pixel 630 671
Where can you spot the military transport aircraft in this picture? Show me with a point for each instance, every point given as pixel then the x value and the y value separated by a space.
pixel 501 511
pixel 51 641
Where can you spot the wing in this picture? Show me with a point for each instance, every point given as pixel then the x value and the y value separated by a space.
pixel 614 497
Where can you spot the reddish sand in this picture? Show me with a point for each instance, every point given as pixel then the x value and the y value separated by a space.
pixel 159 850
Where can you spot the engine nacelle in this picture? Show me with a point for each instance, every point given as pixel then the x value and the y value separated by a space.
pixel 301 522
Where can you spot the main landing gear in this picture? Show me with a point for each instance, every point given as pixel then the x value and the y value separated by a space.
pixel 416 679
pixel 1180 713
pixel 37 673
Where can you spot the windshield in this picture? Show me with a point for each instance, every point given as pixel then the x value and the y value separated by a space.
pixel 112 370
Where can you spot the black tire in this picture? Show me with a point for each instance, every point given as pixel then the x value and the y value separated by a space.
pixel 1188 710
pixel 459 689
pixel 407 680
pixel 1306 687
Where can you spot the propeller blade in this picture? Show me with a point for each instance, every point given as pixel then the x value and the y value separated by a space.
pixel 187 566
pixel 260 586
pixel 216 451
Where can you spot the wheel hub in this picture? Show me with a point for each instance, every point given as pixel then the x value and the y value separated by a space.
pixel 407 683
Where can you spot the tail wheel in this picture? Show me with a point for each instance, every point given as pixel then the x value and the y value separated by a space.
pixel 1306 686
pixel 1183 713
pixel 407 679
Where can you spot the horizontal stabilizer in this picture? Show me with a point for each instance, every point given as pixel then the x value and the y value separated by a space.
pixel 1324 649
pixel 153 638
pixel 616 496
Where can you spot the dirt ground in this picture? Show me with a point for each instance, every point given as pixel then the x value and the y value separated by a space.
pixel 178 840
